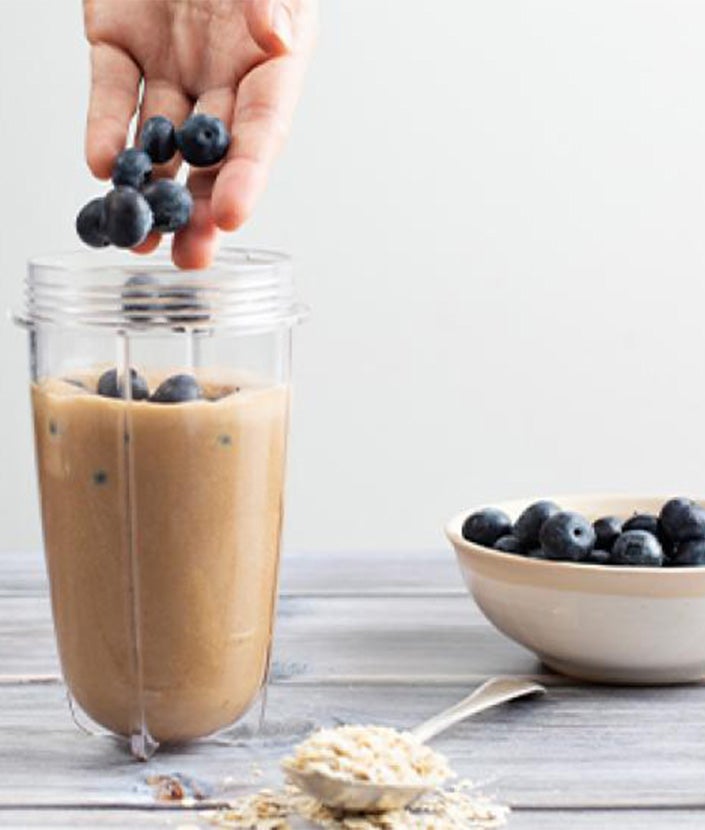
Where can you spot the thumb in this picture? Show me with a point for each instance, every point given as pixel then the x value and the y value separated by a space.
pixel 271 24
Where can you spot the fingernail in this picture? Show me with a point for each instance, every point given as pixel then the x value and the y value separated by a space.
pixel 282 24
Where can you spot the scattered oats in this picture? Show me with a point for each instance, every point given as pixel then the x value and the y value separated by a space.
pixel 376 754
pixel 449 809
pixel 266 810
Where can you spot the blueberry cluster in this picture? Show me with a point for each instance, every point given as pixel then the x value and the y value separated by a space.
pixel 175 389
pixel 137 205
pixel 674 538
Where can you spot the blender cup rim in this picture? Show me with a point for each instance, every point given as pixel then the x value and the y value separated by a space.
pixel 248 289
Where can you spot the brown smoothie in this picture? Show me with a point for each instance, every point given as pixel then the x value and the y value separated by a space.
pixel 187 496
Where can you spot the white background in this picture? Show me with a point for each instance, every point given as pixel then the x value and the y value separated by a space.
pixel 497 211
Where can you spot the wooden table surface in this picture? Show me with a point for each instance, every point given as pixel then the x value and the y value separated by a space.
pixel 386 638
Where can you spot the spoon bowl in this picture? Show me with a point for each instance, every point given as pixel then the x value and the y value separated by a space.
pixel 356 796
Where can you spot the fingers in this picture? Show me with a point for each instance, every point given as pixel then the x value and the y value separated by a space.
pixel 149 244
pixel 271 24
pixel 194 246
pixel 115 80
pixel 264 109
pixel 163 98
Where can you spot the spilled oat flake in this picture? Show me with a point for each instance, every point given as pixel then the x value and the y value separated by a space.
pixel 455 808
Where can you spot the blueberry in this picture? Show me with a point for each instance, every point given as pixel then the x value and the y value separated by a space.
pixel 100 477
pixel 133 168
pixel 651 524
pixel 90 224
pixel 607 529
pixel 110 387
pixel 508 544
pixel 203 140
pixel 642 521
pixel 171 204
pixel 637 547
pixel 682 520
pixel 128 217
pixel 158 139
pixel 486 526
pixel 567 536
pixel 689 553
pixel 528 526
pixel 597 556
pixel 536 553
pixel 138 295
pixel 177 389
pixel 183 305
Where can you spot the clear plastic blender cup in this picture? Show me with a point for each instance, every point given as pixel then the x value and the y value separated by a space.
pixel 160 404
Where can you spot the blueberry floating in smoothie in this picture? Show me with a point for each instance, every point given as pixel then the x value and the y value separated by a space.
pixel 486 526
pixel 637 548
pixel 138 297
pixel 128 217
pixel 178 389
pixel 528 526
pixel 100 477
pixel 607 530
pixel 171 204
pixel 567 536
pixel 203 140
pixel 91 224
pixel 110 386
pixel 158 139
pixel 133 168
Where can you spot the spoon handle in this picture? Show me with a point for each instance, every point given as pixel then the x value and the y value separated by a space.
pixel 492 693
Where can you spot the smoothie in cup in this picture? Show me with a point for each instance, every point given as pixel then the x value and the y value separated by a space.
pixel 160 406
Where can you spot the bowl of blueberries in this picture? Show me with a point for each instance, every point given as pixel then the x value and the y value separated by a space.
pixel 608 589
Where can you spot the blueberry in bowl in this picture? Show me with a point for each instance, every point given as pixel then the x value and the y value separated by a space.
pixel 486 526
pixel 607 596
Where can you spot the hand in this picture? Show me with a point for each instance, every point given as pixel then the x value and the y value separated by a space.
pixel 241 60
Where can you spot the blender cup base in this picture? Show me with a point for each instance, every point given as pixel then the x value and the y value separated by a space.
pixel 143 746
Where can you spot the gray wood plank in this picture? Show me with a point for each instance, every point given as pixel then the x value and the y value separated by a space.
pixel 190 819
pixel 576 748
pixel 338 573
pixel 326 639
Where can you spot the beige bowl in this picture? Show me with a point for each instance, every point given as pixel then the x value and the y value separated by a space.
pixel 599 623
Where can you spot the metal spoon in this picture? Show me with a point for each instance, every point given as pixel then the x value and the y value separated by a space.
pixel 365 797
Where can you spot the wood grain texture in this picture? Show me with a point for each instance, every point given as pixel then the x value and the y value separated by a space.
pixel 578 747
pixel 190 819
pixel 375 638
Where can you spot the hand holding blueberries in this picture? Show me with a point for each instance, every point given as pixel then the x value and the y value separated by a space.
pixel 240 63
pixel 674 538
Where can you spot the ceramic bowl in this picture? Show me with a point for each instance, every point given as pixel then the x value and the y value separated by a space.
pixel 599 623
